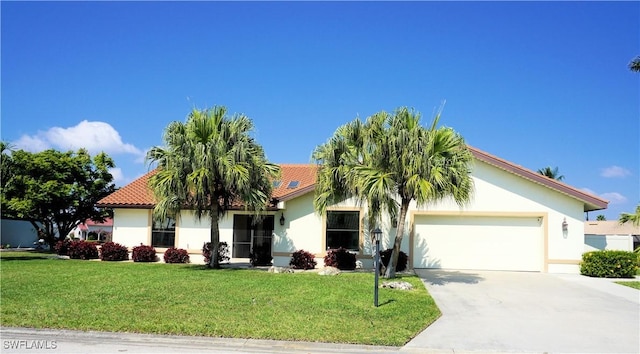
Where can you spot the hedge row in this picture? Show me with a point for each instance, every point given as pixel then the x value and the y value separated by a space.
pixel 609 264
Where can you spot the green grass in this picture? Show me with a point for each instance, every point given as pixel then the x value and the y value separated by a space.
pixel 631 284
pixel 41 292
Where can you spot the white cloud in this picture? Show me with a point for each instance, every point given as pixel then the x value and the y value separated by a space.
pixel 614 197
pixel 93 136
pixel 614 172
pixel 118 176
pixel 587 190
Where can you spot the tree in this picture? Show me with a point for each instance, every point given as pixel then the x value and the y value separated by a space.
pixel 601 218
pixel 336 179
pixel 391 157
pixel 552 173
pixel 629 217
pixel 54 190
pixel 209 163
pixel 634 64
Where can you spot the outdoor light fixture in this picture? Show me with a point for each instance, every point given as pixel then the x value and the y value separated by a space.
pixel 282 219
pixel 565 225
pixel 377 235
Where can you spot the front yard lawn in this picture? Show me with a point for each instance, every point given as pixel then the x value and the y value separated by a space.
pixel 631 284
pixel 41 292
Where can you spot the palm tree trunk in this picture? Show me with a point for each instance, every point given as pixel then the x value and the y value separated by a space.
pixel 391 268
pixel 214 262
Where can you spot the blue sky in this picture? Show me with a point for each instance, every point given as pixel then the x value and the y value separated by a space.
pixel 536 83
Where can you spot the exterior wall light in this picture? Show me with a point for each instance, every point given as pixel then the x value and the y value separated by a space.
pixel 282 219
pixel 565 225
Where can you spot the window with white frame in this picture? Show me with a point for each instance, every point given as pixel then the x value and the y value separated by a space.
pixel 343 229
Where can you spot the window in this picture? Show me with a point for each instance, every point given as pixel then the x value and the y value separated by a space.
pixel 343 230
pixel 276 184
pixel 293 184
pixel 163 233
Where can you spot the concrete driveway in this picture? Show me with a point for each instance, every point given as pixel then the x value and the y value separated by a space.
pixel 529 312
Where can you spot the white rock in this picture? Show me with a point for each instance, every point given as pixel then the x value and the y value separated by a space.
pixel 402 285
pixel 329 271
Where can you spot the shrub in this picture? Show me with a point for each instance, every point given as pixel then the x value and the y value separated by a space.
pixel 609 264
pixel 176 255
pixel 223 252
pixel 260 256
pixel 385 257
pixel 302 259
pixel 114 252
pixel 340 258
pixel 62 247
pixel 143 253
pixel 82 250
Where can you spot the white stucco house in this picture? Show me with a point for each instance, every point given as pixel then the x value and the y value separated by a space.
pixel 610 235
pixel 518 220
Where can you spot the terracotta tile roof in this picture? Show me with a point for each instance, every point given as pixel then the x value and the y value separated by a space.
pixel 591 202
pixel 134 195
pixel 137 194
pixel 305 175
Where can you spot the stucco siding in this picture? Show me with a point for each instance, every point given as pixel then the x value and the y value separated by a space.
pixel 608 242
pixel 131 227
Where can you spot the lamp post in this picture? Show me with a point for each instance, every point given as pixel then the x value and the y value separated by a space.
pixel 377 235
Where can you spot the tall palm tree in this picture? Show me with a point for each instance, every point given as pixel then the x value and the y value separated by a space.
pixel 208 163
pixel 634 218
pixel 337 179
pixel 634 64
pixel 552 173
pixel 393 157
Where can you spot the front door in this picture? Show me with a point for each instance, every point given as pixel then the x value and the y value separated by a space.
pixel 250 232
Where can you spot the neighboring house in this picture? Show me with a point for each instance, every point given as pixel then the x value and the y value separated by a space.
pixel 518 220
pixel 91 230
pixel 17 233
pixel 610 235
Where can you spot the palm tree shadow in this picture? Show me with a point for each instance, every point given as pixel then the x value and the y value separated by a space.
pixel 442 277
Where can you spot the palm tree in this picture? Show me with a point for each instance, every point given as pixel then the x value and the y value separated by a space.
pixel 634 64
pixel 633 218
pixel 601 218
pixel 389 157
pixel 208 163
pixel 552 173
pixel 337 178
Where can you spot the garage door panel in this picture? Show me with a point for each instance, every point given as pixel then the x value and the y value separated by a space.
pixel 483 243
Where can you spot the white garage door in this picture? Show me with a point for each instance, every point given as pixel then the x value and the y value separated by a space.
pixel 478 242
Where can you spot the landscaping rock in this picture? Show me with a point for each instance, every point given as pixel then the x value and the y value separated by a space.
pixel 402 285
pixel 329 271
pixel 358 264
pixel 274 269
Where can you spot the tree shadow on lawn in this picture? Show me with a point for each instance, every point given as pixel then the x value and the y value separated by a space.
pixel 442 277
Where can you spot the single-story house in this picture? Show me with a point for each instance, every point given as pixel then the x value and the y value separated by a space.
pixel 518 220
pixel 610 235
pixel 91 230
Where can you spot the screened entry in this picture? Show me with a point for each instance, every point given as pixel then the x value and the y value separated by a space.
pixel 250 232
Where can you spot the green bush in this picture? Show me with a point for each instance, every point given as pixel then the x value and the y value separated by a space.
pixel 609 264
